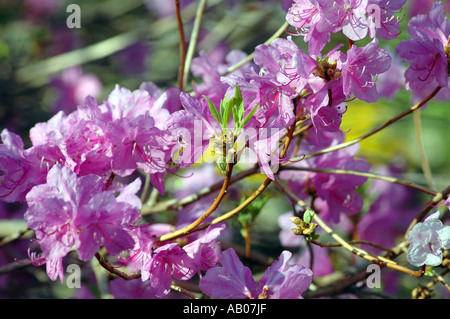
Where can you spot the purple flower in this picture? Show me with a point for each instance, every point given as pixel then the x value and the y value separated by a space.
pixel 325 117
pixel 423 6
pixel 14 168
pixel 348 15
pixel 212 72
pixel 137 143
pixel 308 18
pixel 268 150
pixel 132 289
pixel 101 224
pixel 123 103
pixel 140 255
pixel 427 241
pixel 73 86
pixel 393 80
pixel 283 63
pixel 54 267
pixel 70 211
pixel 192 129
pixel 361 68
pixel 167 263
pixel 336 193
pixel 383 21
pixel 426 52
pixel 205 251
pixel 280 281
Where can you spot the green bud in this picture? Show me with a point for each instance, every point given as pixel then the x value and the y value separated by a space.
pixel 308 215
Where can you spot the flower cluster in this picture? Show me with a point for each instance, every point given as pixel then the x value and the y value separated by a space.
pixel 80 176
pixel 316 20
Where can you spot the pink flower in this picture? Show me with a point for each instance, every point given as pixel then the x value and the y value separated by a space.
pixel 137 143
pixel 70 211
pixel 73 86
pixel 14 168
pixel 205 250
pixel 426 52
pixel 349 16
pixel 361 68
pixel 284 64
pixel 280 281
pixel 383 21
pixel 336 193
pixel 169 262
pixel 308 18
pixel 427 242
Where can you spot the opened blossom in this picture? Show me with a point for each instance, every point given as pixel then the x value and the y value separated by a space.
pixel 308 17
pixel 383 18
pixel 361 69
pixel 281 280
pixel 427 52
pixel 427 242
pixel 167 263
pixel 348 16
pixel 78 212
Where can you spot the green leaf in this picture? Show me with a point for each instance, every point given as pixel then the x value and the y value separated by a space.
pixel 223 105
pixel 249 116
pixel 308 215
pixel 213 109
pixel 226 115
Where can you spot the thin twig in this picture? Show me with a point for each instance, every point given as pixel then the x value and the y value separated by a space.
pixel 352 242
pixel 114 270
pixel 205 215
pixel 370 133
pixel 182 44
pixel 362 174
pixel 382 261
pixel 193 40
pixel 436 199
pixel 421 147
pixel 175 204
pixel 249 58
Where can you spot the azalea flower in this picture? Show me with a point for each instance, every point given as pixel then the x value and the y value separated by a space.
pixel 427 241
pixel 77 212
pixel 280 281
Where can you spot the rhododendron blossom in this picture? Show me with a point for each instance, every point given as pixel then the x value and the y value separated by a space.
pixel 280 281
pixel 427 241
pixel 70 212
pixel 178 187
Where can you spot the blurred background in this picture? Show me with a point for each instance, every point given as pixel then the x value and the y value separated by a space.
pixel 46 66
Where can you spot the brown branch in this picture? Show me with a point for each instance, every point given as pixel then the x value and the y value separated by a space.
pixel 186 230
pixel 382 261
pixel 363 174
pixel 439 196
pixel 182 44
pixel 111 269
pixel 372 132
pixel 196 225
pixel 175 204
